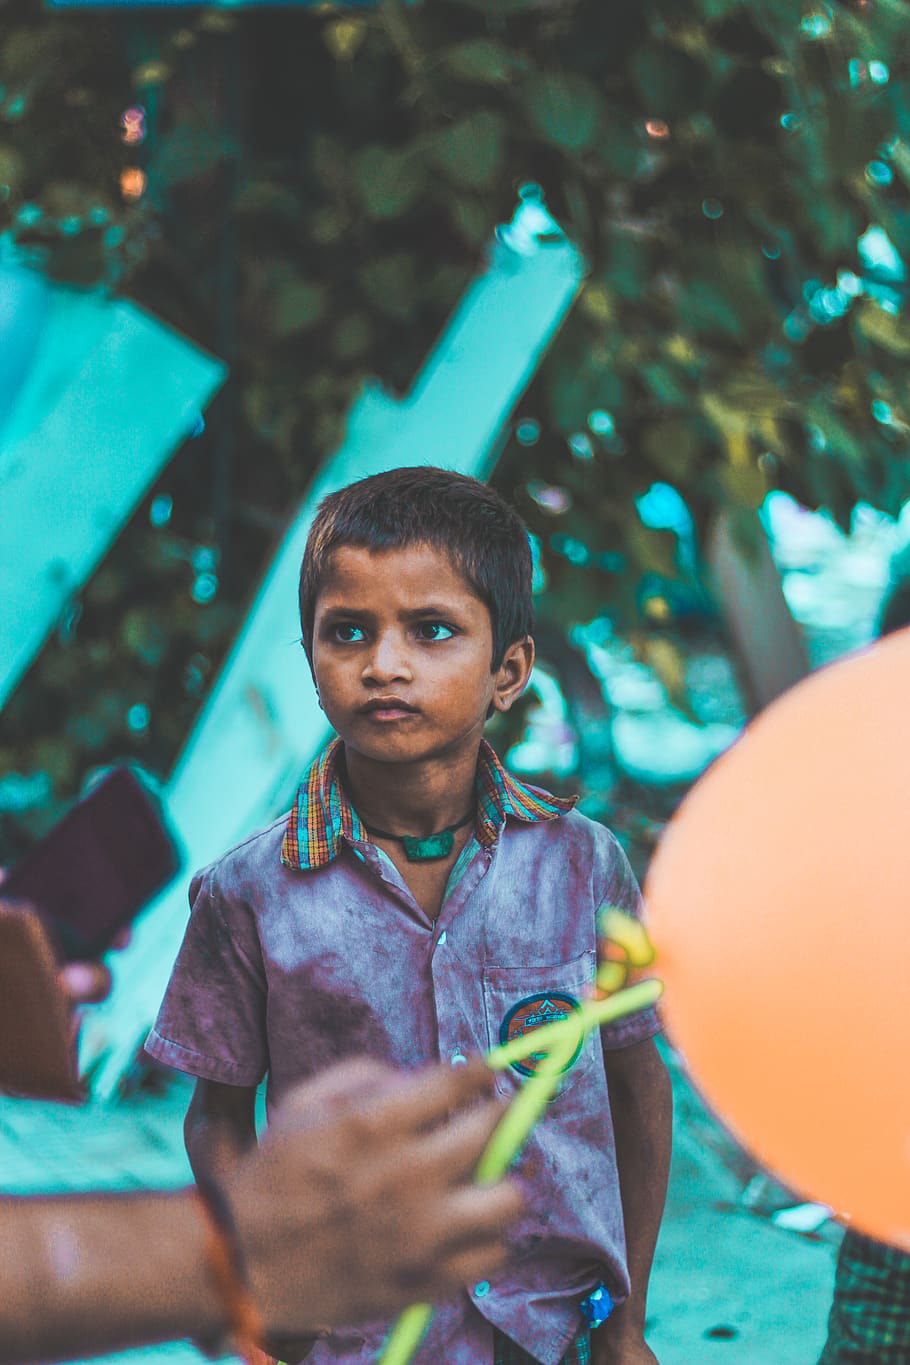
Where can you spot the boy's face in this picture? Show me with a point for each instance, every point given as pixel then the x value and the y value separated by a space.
pixel 401 652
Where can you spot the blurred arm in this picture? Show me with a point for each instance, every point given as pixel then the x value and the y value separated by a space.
pixel 93 1274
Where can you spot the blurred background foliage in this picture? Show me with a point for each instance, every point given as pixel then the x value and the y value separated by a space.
pixel 307 194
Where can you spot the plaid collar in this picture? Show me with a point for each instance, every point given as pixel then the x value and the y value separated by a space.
pixel 322 815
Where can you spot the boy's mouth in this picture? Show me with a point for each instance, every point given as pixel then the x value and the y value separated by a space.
pixel 387 708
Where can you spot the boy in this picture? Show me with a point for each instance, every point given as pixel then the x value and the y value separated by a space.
pixel 420 903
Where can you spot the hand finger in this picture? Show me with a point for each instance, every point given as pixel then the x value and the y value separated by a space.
pixel 352 1080
pixel 426 1097
pixel 85 982
pixel 455 1147
pixel 475 1212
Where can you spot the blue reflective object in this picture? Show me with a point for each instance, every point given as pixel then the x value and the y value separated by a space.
pixel 879 172
pixel 797 326
pixel 601 422
pixel 815 26
pixel 205 588
pixel 161 509
pixel 580 446
pixel 527 433
pixel 663 509
pixel 828 304
pixel 597 1307
pixel 575 551
pixel 137 718
pixel 877 252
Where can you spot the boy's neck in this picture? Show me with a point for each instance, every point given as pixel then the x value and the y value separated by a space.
pixel 411 798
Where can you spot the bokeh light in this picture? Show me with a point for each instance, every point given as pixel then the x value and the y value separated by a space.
pixel 601 422
pixel 133 182
pixel 132 125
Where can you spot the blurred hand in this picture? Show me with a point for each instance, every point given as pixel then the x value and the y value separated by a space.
pixel 86 983
pixel 360 1198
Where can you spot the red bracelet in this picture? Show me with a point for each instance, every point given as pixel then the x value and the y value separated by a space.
pixel 222 1256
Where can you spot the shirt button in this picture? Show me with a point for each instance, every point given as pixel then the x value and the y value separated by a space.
pixel 441 940
pixel 482 1289
pixel 458 1058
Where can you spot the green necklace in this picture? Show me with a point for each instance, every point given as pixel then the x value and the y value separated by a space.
pixel 418 850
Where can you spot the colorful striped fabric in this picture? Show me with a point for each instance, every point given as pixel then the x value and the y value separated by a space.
pixel 322 816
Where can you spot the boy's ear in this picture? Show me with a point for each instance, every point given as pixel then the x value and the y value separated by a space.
pixel 513 673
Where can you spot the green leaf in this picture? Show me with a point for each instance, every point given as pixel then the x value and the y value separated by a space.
pixel 297 306
pixel 670 82
pixel 389 284
pixel 472 219
pixel 708 308
pixel 470 153
pixel 491 8
pixel 188 152
pixel 481 60
pixel 672 447
pixel 565 109
pixel 885 329
pixel 744 484
pixel 352 337
pixel 389 181
pixel 653 551
pixel 268 197
pixel 11 167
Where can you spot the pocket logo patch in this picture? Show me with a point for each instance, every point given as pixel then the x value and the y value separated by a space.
pixel 534 1012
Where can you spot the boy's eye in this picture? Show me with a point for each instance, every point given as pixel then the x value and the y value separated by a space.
pixel 347 633
pixel 434 630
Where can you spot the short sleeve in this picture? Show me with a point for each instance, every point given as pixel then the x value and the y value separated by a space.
pixel 212 1021
pixel 615 886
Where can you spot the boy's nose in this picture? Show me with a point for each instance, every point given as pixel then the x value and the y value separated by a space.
pixel 388 660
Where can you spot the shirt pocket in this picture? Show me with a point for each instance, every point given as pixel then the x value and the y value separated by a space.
pixel 518 1000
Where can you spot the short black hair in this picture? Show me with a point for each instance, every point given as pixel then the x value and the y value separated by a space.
pixel 421 505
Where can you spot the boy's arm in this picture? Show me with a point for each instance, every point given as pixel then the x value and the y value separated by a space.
pixel 642 1110
pixel 220 1125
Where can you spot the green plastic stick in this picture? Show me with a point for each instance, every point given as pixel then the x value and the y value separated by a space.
pixel 407 1333
pixel 559 1041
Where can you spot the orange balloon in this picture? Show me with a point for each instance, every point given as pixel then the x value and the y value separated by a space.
pixel 780 908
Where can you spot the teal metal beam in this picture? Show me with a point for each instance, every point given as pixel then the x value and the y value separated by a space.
pixel 95 397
